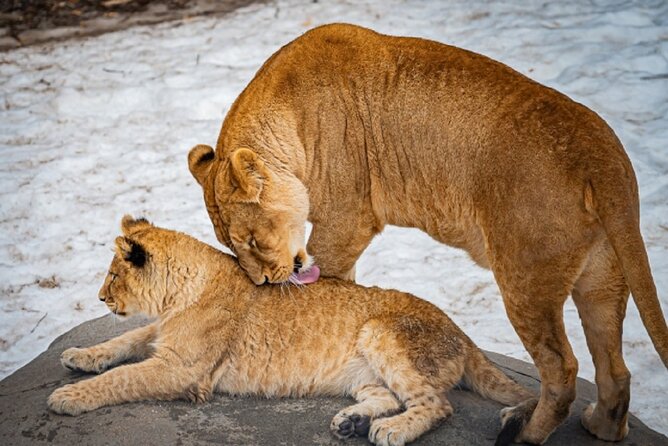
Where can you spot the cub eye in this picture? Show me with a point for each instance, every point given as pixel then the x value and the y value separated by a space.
pixel 252 243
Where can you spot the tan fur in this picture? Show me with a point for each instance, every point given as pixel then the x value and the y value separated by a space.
pixel 356 130
pixel 217 332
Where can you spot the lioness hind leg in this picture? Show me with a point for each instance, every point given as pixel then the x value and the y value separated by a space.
pixel 425 404
pixel 601 294
pixel 539 324
pixel 374 400
pixel 535 270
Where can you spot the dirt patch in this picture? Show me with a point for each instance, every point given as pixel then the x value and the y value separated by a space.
pixel 26 22
pixel 49 282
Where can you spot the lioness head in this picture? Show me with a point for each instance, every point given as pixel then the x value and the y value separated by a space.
pixel 258 212
pixel 152 269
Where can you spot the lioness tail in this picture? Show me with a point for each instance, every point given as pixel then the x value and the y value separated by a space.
pixel 617 205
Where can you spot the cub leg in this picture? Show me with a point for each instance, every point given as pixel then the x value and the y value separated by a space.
pixel 134 344
pixel 424 410
pixel 601 294
pixel 540 326
pixel 336 246
pixel 154 378
pixel 374 400
pixel 425 404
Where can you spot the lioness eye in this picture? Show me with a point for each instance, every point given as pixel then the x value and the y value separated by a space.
pixel 252 243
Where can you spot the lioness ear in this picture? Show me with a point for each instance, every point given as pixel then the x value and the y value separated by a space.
pixel 199 161
pixel 250 174
pixel 130 225
pixel 131 251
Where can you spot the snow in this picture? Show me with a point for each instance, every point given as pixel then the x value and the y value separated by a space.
pixel 92 129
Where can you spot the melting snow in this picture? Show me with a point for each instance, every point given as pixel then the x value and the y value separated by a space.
pixel 92 129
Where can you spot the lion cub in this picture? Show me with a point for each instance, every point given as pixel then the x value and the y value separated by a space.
pixel 216 331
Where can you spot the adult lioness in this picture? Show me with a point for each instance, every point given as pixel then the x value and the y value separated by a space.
pixel 396 354
pixel 355 130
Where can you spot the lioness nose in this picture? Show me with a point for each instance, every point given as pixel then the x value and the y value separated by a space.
pixel 298 264
pixel 102 297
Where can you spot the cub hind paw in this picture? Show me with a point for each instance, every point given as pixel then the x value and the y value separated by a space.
pixel 346 425
pixel 388 432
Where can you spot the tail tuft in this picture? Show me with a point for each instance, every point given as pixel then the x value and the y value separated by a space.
pixel 513 420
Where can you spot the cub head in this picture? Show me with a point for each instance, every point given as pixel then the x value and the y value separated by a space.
pixel 257 211
pixel 147 273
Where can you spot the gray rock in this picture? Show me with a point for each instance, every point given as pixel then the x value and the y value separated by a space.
pixel 25 419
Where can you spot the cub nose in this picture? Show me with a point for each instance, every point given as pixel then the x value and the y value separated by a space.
pixel 298 264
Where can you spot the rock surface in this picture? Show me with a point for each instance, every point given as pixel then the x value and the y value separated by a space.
pixel 25 419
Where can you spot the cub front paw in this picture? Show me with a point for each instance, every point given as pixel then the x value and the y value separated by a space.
pixel 345 425
pixel 81 359
pixel 387 432
pixel 69 400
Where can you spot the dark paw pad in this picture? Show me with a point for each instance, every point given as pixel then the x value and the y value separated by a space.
pixel 354 425
pixel 362 424
pixel 346 428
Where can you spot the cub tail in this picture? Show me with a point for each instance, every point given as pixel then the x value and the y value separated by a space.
pixel 487 380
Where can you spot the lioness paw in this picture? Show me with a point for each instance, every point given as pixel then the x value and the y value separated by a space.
pixel 81 359
pixel 68 400
pixel 387 432
pixel 346 425
pixel 608 429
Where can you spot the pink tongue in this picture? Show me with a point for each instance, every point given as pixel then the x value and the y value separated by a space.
pixel 309 276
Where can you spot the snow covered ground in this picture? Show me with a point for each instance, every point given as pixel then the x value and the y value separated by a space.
pixel 95 128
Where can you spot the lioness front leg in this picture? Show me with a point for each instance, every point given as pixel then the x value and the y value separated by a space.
pixel 96 359
pixel 337 245
pixel 153 379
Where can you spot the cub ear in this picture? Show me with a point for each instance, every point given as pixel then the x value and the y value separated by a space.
pixel 131 251
pixel 199 161
pixel 249 173
pixel 130 225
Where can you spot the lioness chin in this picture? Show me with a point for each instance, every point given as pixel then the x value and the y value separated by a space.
pixel 354 130
pixel 397 355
